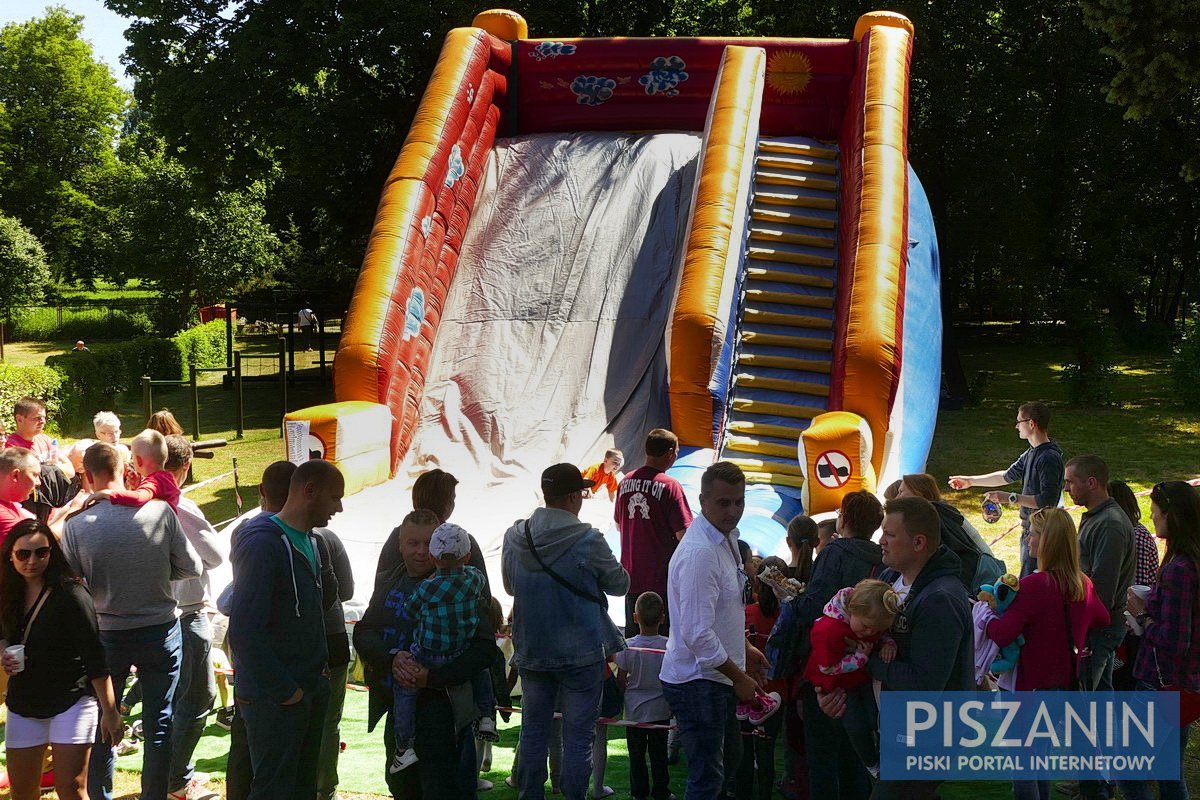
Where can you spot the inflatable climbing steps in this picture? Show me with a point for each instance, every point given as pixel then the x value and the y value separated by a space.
pixel 783 353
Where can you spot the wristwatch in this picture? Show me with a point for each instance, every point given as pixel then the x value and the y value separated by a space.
pixel 1143 619
pixel 1012 498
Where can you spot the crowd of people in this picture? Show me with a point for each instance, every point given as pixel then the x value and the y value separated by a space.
pixel 104 568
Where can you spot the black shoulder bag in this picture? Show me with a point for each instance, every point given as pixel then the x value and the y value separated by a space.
pixel 601 601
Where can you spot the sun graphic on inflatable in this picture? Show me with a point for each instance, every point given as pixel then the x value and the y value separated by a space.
pixel 788 72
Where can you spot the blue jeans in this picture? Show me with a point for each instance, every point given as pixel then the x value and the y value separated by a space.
pixel 705 712
pixel 1028 562
pixel 404 700
pixel 285 745
pixel 581 690
pixel 156 651
pixel 833 768
pixel 1103 642
pixel 1167 790
pixel 193 696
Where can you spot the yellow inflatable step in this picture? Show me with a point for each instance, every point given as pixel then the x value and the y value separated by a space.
pixel 796 163
pixel 792 217
pixel 745 444
pixel 783 362
pixel 776 233
pixel 782 340
pixel 782 197
pixel 774 480
pixel 789 298
pixel 795 179
pixel 748 406
pixel 752 428
pixel 789 257
pixel 768 467
pixel 781 384
pixel 797 148
pixel 791 320
pixel 779 276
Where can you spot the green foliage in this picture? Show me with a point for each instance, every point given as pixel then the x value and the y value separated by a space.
pixel 1185 370
pixel 97 378
pixel 182 238
pixel 24 273
pixel 60 111
pixel 1156 44
pixel 17 382
pixel 40 324
pixel 1090 375
pixel 203 345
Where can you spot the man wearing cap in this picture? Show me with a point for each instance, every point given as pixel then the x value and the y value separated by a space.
pixel 558 570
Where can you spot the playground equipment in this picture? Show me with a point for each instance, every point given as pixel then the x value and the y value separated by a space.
pixel 759 274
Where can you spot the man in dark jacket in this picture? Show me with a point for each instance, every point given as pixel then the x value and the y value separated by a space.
pixel 834 770
pixel 934 644
pixel 446 751
pixel 1039 469
pixel 277 634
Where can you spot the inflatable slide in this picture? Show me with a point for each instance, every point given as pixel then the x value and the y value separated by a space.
pixel 583 239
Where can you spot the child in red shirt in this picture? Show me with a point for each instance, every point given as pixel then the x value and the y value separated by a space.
pixel 863 614
pixel 149 459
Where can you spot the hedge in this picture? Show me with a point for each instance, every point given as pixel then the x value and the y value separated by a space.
pixel 17 382
pixel 41 324
pixel 95 379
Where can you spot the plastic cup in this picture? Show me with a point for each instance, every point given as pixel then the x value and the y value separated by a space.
pixel 1141 591
pixel 17 651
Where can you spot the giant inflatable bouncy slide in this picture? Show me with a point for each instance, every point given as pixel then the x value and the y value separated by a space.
pixel 586 238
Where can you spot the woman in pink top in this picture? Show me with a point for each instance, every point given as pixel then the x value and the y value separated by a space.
pixel 1039 612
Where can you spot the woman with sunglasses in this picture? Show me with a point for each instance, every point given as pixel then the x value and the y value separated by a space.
pixel 62 690
pixel 1170 616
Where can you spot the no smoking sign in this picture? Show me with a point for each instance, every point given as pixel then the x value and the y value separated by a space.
pixel 833 469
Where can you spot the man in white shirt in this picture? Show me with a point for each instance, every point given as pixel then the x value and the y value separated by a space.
pixel 705 671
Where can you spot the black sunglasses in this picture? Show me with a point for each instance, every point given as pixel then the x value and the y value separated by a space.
pixel 39 552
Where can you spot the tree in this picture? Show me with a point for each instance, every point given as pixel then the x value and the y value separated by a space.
pixel 194 245
pixel 1156 44
pixel 60 112
pixel 24 273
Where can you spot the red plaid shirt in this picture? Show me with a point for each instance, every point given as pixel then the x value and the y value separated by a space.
pixel 1170 652
pixel 1147 555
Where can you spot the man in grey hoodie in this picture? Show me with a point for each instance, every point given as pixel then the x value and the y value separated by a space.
pixel 558 570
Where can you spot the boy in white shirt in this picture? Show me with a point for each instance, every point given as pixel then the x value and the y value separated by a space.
pixel 644 701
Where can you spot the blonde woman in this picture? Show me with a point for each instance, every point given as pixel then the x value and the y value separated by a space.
pixel 1057 591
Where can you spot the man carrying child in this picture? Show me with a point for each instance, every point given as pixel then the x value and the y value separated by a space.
pixel 444 611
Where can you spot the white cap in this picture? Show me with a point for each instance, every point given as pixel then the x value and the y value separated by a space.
pixel 449 541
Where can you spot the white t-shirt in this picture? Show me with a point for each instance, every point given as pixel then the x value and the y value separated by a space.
pixel 901 588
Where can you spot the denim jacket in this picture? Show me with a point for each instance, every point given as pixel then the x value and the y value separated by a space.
pixel 553 628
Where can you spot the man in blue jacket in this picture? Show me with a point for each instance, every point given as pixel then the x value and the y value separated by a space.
pixel 277 634
pixel 935 648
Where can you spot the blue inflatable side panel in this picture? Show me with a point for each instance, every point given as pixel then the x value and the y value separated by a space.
pixel 921 371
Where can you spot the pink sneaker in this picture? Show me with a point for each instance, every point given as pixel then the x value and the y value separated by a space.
pixel 763 707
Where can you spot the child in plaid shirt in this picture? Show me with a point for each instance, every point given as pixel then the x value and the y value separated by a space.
pixel 444 613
